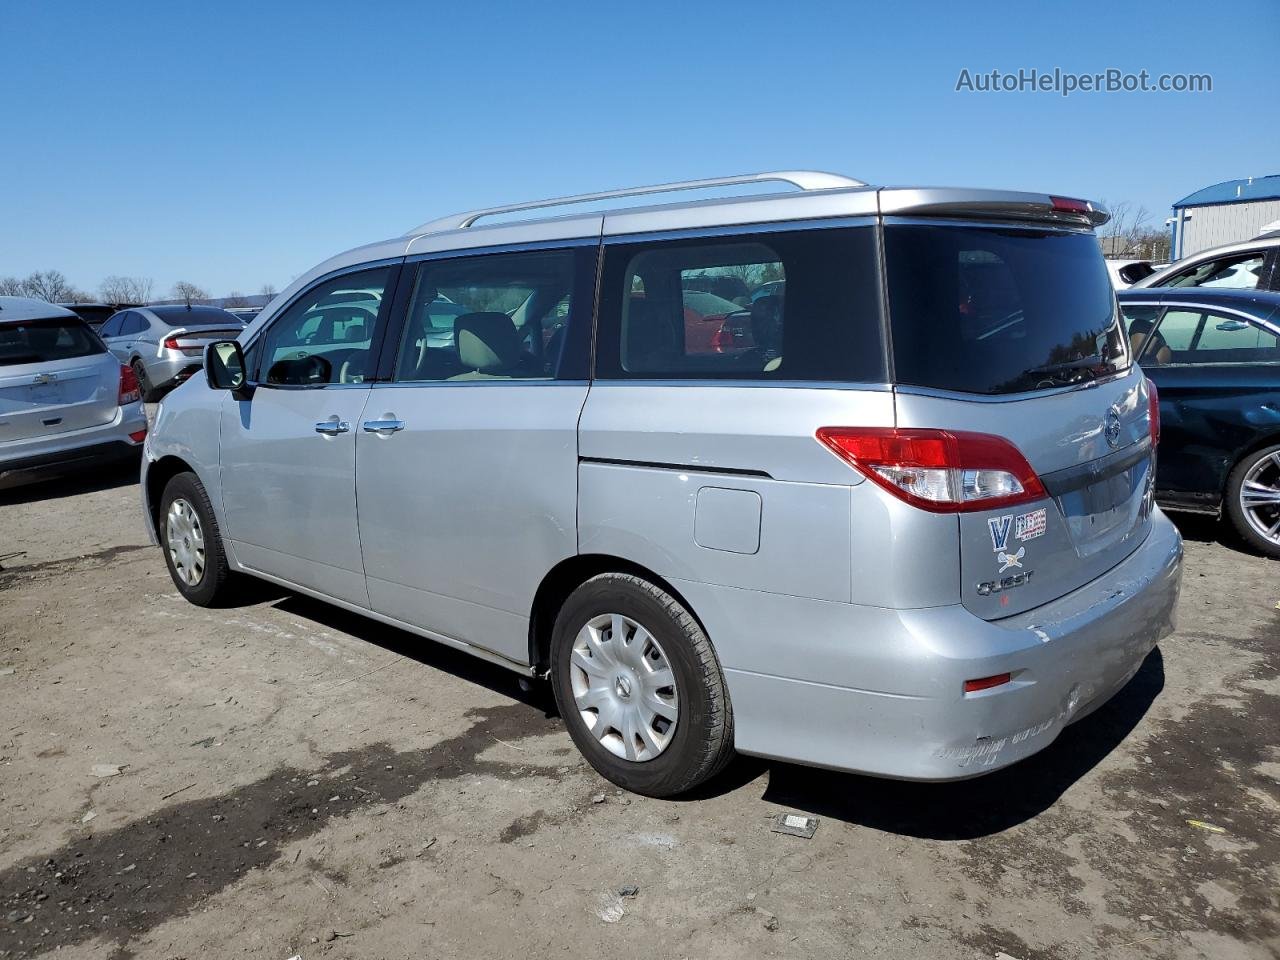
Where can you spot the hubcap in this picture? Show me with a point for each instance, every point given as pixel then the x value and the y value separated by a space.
pixel 623 687
pixel 186 541
pixel 1260 497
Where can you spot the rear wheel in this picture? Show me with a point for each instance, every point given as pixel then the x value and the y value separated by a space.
pixel 640 687
pixel 149 393
pixel 192 543
pixel 1253 499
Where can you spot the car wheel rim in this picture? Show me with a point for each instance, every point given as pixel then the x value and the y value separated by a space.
pixel 1260 497
pixel 185 537
pixel 624 687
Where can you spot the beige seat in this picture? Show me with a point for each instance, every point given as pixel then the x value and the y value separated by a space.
pixel 488 346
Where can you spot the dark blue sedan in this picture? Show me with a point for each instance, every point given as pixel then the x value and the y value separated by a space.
pixel 1214 355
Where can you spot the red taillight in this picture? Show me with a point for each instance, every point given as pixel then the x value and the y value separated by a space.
pixel 171 343
pixel 943 471
pixel 138 436
pixel 1153 411
pixel 986 683
pixel 1069 205
pixel 130 392
pixel 722 339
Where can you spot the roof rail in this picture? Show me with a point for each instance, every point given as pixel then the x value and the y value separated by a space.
pixel 803 179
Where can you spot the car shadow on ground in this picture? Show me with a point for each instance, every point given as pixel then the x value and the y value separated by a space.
pixel 942 811
pixel 429 653
pixel 52 486
pixel 968 809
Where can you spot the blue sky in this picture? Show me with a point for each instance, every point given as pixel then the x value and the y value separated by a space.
pixel 237 144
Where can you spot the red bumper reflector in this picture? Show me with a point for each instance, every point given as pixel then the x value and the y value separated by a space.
pixel 986 683
pixel 138 436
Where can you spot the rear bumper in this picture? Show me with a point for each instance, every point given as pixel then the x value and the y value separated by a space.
pixel 109 441
pixel 167 371
pixel 880 691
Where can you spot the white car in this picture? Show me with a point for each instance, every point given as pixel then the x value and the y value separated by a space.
pixel 64 399
pixel 1248 265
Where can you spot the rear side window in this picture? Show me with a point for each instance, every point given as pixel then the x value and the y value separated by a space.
pixel 787 305
pixel 502 316
pixel 994 310
pixel 1204 336
pixel 39 341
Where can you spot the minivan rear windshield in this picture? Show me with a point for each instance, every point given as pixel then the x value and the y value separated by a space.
pixel 996 310
pixel 39 341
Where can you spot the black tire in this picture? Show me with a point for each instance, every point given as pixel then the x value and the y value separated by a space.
pixel 1236 513
pixel 701 743
pixel 149 393
pixel 217 583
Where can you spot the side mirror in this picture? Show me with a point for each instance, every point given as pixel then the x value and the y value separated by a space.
pixel 1131 273
pixel 224 368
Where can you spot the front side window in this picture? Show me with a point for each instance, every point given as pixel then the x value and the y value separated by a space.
pixel 328 335
pixel 40 341
pixel 786 305
pixel 504 316
pixel 1239 272
pixel 1204 336
pixel 996 310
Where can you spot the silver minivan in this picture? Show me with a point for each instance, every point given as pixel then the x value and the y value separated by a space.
pixel 850 476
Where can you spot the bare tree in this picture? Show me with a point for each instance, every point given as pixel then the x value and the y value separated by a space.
pixel 1121 236
pixel 12 287
pixel 236 299
pixel 188 292
pixel 268 290
pixel 50 285
pixel 117 289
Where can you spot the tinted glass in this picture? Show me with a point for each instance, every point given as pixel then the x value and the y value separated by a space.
pixel 494 317
pixel 327 335
pixel 1204 336
pixel 112 327
pixel 994 310
pixel 790 305
pixel 39 341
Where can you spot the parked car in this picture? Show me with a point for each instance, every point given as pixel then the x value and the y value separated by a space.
pixel 244 314
pixel 1249 265
pixel 164 344
pixel 918 555
pixel 1215 357
pixel 94 314
pixel 1125 273
pixel 64 400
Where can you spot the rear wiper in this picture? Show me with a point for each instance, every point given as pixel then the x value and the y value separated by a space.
pixel 1084 363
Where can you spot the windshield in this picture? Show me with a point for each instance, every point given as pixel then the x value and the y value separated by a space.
pixel 40 341
pixel 996 310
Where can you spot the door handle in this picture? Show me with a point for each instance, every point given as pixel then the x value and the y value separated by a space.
pixel 332 427
pixel 383 426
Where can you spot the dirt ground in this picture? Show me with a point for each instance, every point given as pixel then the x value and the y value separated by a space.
pixel 293 780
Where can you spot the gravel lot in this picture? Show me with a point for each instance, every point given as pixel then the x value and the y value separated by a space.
pixel 296 780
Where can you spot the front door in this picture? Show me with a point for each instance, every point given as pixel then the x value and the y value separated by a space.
pixel 466 463
pixel 288 452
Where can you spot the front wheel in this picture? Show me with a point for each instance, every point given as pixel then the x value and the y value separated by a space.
pixel 192 543
pixel 1253 499
pixel 640 687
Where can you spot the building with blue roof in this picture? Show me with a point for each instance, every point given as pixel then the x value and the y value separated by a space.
pixel 1226 212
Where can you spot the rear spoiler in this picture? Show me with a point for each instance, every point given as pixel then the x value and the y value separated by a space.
pixel 958 203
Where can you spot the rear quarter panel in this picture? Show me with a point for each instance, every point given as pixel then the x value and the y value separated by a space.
pixel 1210 415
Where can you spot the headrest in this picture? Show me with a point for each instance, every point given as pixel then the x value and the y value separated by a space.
pixel 487 342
